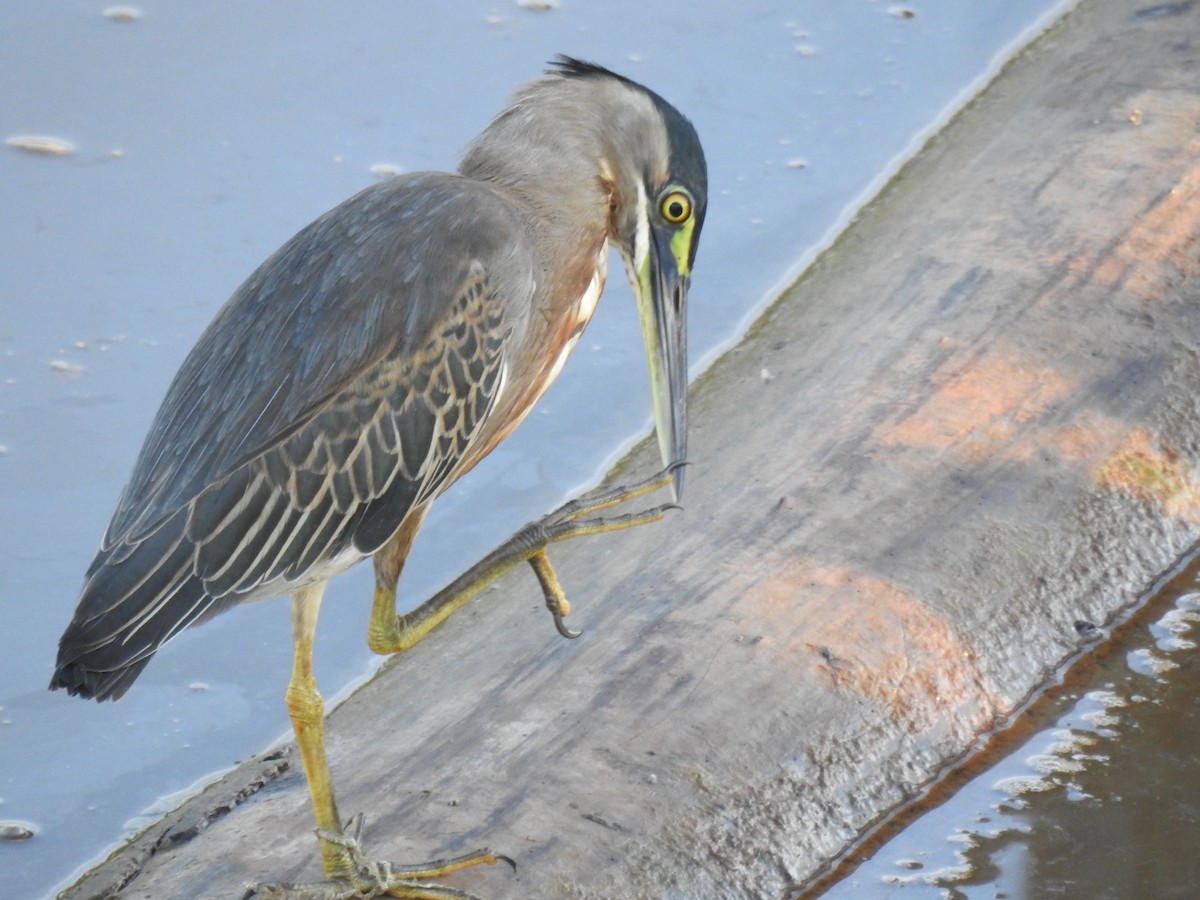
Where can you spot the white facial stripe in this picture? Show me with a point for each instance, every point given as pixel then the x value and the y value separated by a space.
pixel 641 238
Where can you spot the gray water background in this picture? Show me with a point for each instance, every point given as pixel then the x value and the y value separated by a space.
pixel 206 134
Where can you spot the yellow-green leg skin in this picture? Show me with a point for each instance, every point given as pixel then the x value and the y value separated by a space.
pixel 350 875
pixel 390 633
pixel 307 712
pixel 556 597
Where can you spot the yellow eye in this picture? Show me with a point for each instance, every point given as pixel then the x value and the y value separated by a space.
pixel 675 206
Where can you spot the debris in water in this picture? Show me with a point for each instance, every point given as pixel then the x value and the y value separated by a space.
pixel 122 13
pixel 41 143
pixel 15 831
pixel 67 368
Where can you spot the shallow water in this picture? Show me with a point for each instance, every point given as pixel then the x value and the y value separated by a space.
pixel 1091 793
pixel 204 135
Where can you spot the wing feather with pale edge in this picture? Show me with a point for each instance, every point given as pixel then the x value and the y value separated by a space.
pixel 338 388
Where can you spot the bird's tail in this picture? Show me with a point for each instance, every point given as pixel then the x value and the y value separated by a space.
pixel 137 596
pixel 83 677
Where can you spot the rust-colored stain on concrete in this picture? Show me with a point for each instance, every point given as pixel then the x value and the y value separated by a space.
pixel 870 638
pixel 1161 245
pixel 1162 242
pixel 977 404
pixel 1087 440
pixel 1154 473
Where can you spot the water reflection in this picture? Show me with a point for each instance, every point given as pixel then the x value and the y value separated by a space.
pixel 1101 802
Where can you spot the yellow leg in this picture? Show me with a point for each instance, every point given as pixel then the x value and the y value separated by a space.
pixel 307 711
pixel 390 633
pixel 556 597
pixel 350 875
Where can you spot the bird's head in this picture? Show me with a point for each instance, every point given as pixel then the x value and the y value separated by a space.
pixel 656 175
pixel 582 145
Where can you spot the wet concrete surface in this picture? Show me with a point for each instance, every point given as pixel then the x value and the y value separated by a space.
pixel 972 424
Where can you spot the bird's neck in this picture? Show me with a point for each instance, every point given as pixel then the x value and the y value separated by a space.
pixel 551 160
pixel 555 176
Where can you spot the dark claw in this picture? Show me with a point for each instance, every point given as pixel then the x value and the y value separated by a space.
pixel 565 632
pixel 503 858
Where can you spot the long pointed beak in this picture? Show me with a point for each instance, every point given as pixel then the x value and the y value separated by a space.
pixel 662 308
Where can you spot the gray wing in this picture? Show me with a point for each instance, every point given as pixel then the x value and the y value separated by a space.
pixel 339 387
pixel 370 278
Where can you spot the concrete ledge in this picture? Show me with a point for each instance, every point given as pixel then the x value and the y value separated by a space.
pixel 972 424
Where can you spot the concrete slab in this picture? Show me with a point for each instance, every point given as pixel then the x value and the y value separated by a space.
pixel 970 426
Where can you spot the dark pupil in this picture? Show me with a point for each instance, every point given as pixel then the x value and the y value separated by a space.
pixel 676 209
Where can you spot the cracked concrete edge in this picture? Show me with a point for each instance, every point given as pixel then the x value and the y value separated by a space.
pixel 180 825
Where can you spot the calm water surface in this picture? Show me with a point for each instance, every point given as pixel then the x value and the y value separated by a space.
pixel 206 134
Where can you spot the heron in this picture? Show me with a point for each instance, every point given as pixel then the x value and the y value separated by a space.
pixel 370 363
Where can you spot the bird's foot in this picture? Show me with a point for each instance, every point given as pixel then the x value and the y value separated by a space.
pixel 576 518
pixel 569 520
pixel 391 633
pixel 358 878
